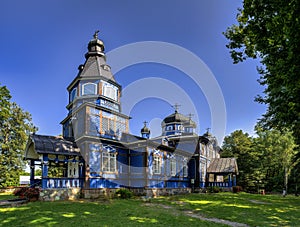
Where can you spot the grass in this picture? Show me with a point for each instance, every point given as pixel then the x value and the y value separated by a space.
pixel 6 195
pixel 254 210
pixel 86 213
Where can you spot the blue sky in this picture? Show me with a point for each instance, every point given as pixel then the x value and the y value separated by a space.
pixel 43 42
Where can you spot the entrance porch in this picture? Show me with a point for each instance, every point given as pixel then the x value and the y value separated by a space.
pixel 59 161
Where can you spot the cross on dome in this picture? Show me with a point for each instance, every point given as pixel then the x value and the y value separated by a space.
pixel 190 115
pixel 96 34
pixel 176 107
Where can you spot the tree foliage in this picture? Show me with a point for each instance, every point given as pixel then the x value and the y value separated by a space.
pixel 239 145
pixel 15 125
pixel 277 151
pixel 263 161
pixel 270 30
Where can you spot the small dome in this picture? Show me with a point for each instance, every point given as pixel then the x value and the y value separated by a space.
pixel 145 129
pixel 95 47
pixel 207 133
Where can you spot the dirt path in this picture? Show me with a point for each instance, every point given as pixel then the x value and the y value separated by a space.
pixel 198 216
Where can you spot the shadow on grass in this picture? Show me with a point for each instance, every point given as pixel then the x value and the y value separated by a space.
pixel 86 213
pixel 254 210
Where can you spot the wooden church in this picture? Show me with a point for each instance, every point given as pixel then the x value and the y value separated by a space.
pixel 96 150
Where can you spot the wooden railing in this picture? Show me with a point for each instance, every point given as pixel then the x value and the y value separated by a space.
pixel 62 183
pixel 219 184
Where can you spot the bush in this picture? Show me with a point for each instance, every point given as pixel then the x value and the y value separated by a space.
pixel 26 192
pixel 124 193
pixel 32 193
pixel 236 189
pixel 214 189
pixel 20 192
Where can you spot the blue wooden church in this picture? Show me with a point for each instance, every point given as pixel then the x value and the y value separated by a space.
pixel 96 150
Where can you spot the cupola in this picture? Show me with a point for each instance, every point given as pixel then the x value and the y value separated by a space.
pixel 178 124
pixel 95 47
pixel 145 131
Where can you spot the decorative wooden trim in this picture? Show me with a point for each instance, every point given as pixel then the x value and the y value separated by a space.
pixel 100 88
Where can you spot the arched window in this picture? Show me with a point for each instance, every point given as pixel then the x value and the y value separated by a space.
pixel 89 89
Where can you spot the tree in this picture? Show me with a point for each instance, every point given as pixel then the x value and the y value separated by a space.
pixel 264 161
pixel 15 126
pixel 270 30
pixel 240 145
pixel 277 157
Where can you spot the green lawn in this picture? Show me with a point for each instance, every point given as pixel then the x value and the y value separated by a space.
pixel 254 210
pixel 7 195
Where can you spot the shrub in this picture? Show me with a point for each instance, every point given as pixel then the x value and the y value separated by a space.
pixel 236 189
pixel 214 189
pixel 20 192
pixel 124 193
pixel 32 193
pixel 27 192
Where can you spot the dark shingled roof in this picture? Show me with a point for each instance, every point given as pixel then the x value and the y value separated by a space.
pixel 53 145
pixel 223 165
pixel 178 117
pixel 95 66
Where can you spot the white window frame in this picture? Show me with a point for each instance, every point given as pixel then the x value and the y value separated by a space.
pixel 86 84
pixel 156 166
pixel 185 169
pixel 110 91
pixel 173 167
pixel 111 162
pixel 169 128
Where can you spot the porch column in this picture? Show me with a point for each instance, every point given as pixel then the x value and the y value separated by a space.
pixel 45 164
pixel 230 180
pixel 234 180
pixel 32 169
pixel 81 174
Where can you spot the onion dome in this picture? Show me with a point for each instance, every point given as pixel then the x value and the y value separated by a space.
pixel 95 47
pixel 145 131
pixel 207 133
pixel 178 118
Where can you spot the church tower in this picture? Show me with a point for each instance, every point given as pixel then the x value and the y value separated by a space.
pixel 94 108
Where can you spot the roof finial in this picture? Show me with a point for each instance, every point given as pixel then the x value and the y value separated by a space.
pixel 207 130
pixel 145 123
pixel 176 107
pixel 190 115
pixel 96 34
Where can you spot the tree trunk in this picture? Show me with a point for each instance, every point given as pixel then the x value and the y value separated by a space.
pixel 285 180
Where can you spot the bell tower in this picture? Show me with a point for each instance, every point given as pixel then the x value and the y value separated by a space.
pixel 94 108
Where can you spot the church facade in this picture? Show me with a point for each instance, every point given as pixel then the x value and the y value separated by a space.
pixel 97 151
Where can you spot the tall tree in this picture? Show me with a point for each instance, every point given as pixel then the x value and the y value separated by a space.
pixel 239 145
pixel 270 30
pixel 15 125
pixel 277 151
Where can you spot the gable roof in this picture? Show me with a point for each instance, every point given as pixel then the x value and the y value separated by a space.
pixel 41 144
pixel 223 165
